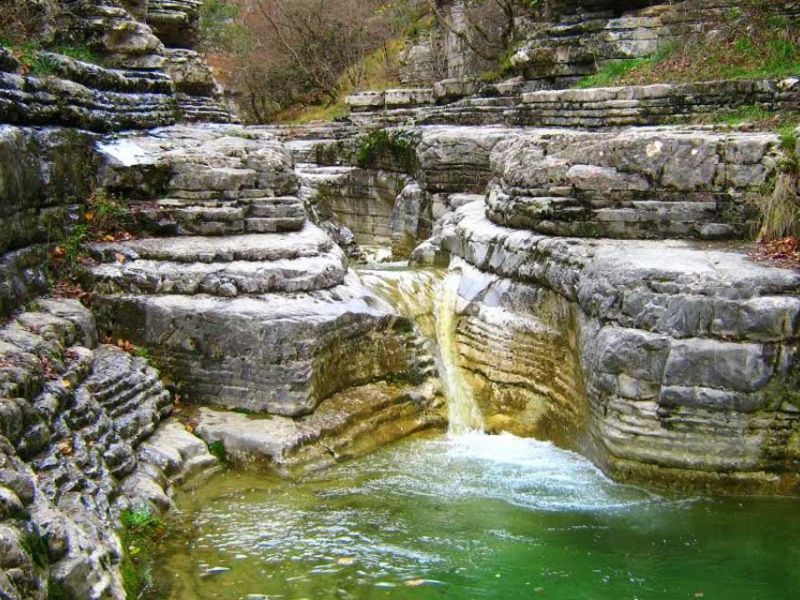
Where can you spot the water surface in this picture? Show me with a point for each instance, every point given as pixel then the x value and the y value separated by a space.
pixel 474 516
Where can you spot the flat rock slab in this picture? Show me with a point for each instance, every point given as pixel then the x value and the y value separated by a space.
pixel 347 425
pixel 645 284
pixel 309 242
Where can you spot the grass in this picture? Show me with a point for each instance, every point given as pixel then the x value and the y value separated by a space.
pixel 217 449
pixel 749 43
pixel 34 59
pixel 141 533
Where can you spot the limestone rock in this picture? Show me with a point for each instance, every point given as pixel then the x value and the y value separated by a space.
pixel 344 426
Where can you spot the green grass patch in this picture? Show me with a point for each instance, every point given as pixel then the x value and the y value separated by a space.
pixel 35 60
pixel 141 534
pixel 749 43
pixel 217 449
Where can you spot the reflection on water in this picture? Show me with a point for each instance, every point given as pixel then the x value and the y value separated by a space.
pixel 473 516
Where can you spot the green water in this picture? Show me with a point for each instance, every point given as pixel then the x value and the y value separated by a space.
pixel 474 517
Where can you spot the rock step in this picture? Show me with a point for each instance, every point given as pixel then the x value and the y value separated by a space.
pixel 311 241
pixel 253 215
pixel 222 279
pixel 136 385
pixel 204 109
pixel 638 105
pixel 344 426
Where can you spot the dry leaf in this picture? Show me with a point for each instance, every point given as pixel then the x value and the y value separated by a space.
pixel 120 258
pixel 89 216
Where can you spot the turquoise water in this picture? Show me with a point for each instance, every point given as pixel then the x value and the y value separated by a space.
pixel 474 516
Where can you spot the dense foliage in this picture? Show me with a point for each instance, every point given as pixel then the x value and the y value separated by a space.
pixel 275 54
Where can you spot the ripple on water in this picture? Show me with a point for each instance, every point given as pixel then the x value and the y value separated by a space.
pixel 471 516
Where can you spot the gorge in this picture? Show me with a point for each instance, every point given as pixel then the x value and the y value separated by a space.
pixel 476 339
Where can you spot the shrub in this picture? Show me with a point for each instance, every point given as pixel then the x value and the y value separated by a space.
pixel 397 147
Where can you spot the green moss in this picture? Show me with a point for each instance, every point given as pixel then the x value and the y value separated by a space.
pixel 397 147
pixel 55 591
pixel 36 547
pixel 218 450
pixel 141 534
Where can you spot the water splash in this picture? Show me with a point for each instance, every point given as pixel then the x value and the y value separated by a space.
pixel 430 299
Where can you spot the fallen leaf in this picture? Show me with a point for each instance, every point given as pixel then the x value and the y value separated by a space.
pixel 109 238
pixel 346 560
pixel 120 258
pixel 89 216
pixel 66 383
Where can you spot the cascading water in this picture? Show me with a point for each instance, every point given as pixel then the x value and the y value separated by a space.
pixel 463 412
pixel 430 299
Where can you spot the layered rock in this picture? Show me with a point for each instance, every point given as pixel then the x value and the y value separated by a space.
pixel 86 96
pixel 241 300
pixel 75 420
pixel 138 83
pixel 518 103
pixel 642 183
pixel 682 359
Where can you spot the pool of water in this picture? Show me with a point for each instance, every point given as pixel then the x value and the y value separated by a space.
pixel 473 516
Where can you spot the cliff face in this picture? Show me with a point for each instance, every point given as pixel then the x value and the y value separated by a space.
pixel 553 44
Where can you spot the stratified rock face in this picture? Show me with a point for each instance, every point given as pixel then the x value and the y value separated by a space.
pixel 86 96
pixel 645 183
pixel 175 22
pixel 42 173
pixel 245 303
pixel 688 356
pixel 138 83
pixel 73 419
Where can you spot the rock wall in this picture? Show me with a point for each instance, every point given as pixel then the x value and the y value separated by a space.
pixel 76 421
pixel 558 43
pixel 44 174
pixel 640 184
pixel 138 84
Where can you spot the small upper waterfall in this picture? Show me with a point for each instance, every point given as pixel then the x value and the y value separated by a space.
pixel 429 298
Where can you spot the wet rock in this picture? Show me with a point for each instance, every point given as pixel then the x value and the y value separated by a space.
pixel 344 426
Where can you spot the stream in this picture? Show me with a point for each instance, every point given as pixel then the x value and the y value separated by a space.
pixel 467 515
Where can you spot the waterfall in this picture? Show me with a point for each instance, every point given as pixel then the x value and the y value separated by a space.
pixel 430 300
pixel 463 412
